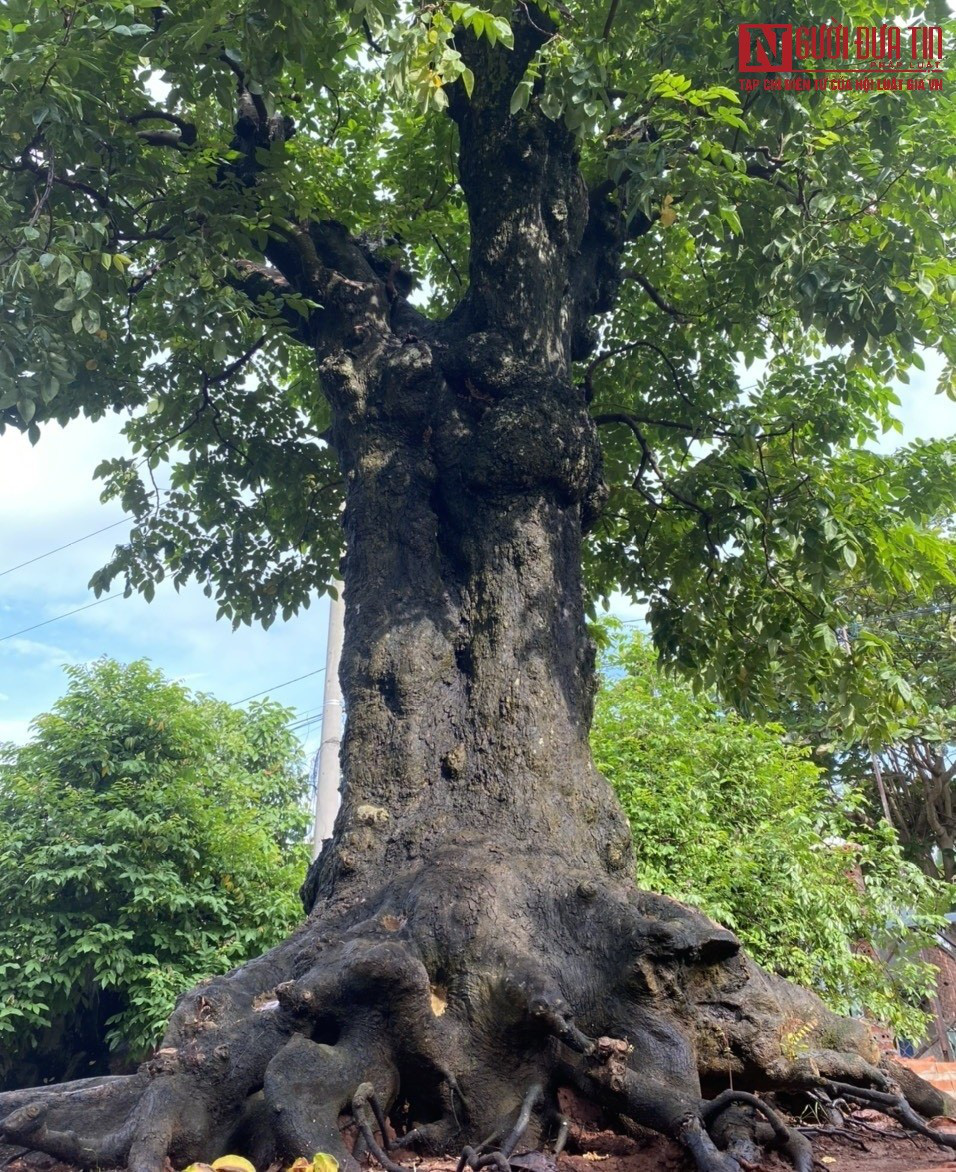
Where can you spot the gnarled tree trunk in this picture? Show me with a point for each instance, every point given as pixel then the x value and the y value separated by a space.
pixel 474 941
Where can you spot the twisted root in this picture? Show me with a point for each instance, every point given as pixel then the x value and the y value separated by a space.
pixel 456 1005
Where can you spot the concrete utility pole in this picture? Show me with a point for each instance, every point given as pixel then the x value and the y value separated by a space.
pixel 329 772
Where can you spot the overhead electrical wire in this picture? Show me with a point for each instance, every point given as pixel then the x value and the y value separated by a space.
pixel 50 552
pixel 56 618
pixel 299 721
pixel 276 687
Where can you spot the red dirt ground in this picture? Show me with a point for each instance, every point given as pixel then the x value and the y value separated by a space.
pixel 871 1143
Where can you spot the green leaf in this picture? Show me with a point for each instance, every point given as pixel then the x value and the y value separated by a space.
pixel 503 29
pixel 520 97
pixel 730 816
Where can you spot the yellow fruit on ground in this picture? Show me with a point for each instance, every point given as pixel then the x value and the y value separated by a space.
pixel 233 1164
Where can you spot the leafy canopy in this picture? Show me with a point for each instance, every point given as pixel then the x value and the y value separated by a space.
pixel 730 818
pixel 151 838
pixel 789 255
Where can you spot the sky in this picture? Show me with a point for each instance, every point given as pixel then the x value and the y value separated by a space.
pixel 48 497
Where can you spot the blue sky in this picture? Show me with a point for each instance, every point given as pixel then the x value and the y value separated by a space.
pixel 48 497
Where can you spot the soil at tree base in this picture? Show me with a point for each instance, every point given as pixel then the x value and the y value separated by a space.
pixel 885 1148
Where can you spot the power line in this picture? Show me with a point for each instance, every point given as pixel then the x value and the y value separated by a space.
pixel 276 687
pixel 307 717
pixel 56 619
pixel 50 552
pixel 304 728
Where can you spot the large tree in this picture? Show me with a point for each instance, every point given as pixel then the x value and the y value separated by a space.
pixel 415 257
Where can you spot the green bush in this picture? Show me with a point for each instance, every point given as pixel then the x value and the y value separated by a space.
pixel 729 817
pixel 150 838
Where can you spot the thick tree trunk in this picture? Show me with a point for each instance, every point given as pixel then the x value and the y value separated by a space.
pixel 467 669
pixel 474 943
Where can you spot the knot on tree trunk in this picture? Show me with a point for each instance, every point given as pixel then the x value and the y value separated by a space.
pixel 517 428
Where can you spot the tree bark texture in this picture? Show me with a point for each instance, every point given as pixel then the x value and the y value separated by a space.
pixel 474 942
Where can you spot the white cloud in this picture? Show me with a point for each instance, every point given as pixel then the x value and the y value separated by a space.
pixel 17 731
pixel 37 651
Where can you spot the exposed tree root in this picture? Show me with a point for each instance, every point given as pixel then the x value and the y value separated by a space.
pixel 362 1100
pixel 477 1158
pixel 455 1006
pixel 794 1145
pixel 894 1104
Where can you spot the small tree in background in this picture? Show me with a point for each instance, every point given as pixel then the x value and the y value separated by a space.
pixel 152 837
pixel 730 818
pixel 906 767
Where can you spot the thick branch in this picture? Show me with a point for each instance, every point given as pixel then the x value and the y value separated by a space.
pixel 611 15
pixel 183 137
pixel 527 203
pixel 261 283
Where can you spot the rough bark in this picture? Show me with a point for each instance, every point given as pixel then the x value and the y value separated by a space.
pixel 475 942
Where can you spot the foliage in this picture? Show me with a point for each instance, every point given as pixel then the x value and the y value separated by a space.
pixel 151 838
pixel 914 764
pixel 729 817
pixel 789 253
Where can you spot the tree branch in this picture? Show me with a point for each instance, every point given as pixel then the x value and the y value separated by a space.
pixel 648 457
pixel 234 367
pixel 655 296
pixel 611 14
pixel 185 137
pixel 258 282
pixel 28 164
pixel 629 419
pixel 626 349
